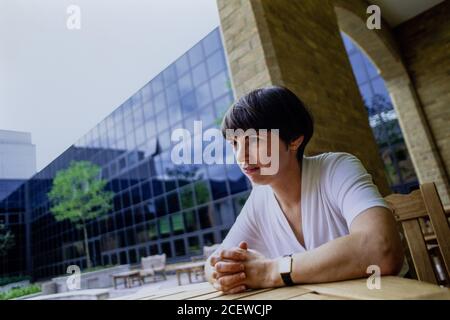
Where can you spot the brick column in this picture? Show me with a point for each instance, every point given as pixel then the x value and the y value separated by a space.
pixel 298 44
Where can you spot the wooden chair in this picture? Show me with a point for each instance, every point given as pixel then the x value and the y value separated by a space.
pixel 412 211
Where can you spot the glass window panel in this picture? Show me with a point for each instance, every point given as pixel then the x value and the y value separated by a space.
pixel 194 245
pixel 159 102
pixel 199 74
pixel 222 105
pixel 164 140
pixel 187 197
pixel 188 103
pixel 169 75
pixel 207 116
pixel 140 135
pixel 175 113
pixel 157 84
pixel 160 206
pixel 196 54
pixel 190 221
pixel 162 121
pixel 208 239
pixel 152 231
pixel 202 192
pixel 225 212
pixel 215 63
pixel 182 64
pixel 203 94
pixel 138 117
pixel 180 249
pixel 150 128
pixel 219 85
pixel 185 84
pixel 172 202
pixel 172 94
pixel 205 217
pixel 146 92
pixel 366 93
pixel 166 248
pixel 164 227
pixel 211 42
pixel 358 68
pixel 177 223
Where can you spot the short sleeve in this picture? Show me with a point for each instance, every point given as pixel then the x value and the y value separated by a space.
pixel 244 228
pixel 351 187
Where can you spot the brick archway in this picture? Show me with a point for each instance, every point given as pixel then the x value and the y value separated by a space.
pixel 381 48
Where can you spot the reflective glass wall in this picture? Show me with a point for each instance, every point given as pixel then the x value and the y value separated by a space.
pixel 159 207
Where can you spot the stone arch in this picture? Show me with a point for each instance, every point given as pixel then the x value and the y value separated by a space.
pixel 382 50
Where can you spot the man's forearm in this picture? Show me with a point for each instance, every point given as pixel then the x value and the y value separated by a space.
pixel 343 258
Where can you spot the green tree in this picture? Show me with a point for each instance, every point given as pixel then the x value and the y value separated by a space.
pixel 6 240
pixel 78 194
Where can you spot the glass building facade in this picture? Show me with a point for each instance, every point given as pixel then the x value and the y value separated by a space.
pixel 383 121
pixel 158 207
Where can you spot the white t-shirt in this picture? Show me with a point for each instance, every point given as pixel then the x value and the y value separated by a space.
pixel 335 188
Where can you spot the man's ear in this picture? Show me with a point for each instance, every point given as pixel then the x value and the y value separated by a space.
pixel 295 144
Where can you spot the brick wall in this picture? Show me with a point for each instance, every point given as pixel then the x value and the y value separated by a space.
pixel 298 44
pixel 424 42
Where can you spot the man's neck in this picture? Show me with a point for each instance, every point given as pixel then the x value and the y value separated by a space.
pixel 287 187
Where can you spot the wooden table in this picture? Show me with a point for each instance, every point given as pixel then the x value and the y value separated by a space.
pixel 391 288
pixel 188 268
pixel 128 277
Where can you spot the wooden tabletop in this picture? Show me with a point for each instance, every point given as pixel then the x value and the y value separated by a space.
pixel 391 288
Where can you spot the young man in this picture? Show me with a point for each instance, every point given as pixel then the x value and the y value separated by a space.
pixel 316 219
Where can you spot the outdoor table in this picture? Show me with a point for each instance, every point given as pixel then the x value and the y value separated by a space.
pixel 188 268
pixel 127 276
pixel 391 288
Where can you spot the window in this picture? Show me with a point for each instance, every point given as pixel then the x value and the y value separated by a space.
pixel 188 103
pixel 180 249
pixel 169 75
pixel 216 63
pixel 159 103
pixel 185 84
pixel 160 206
pixel 199 74
pixel 208 239
pixel 205 217
pixel 193 245
pixel 182 64
pixel 177 223
pixel 164 227
pixel 196 54
pixel 152 231
pixel 166 248
pixel 190 221
pixel 212 42
pixel 162 121
pixel 203 94
pixel 220 85
pixel 187 197
pixel 202 192
pixel 172 202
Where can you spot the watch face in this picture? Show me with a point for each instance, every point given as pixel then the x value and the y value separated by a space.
pixel 284 265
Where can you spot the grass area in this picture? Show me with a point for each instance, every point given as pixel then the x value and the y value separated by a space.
pixel 19 292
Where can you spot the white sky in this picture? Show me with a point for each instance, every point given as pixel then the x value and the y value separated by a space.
pixel 58 83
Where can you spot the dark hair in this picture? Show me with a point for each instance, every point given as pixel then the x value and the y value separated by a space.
pixel 273 107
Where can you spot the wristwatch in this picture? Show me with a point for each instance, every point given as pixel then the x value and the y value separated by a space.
pixel 285 269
